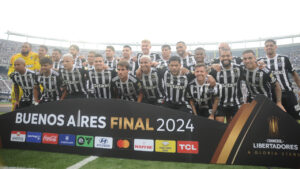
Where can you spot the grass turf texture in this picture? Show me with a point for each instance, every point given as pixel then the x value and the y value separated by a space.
pixel 37 159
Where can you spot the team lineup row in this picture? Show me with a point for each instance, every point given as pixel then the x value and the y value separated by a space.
pixel 183 82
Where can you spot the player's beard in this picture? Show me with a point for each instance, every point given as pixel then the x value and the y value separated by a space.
pixel 226 64
pixel 24 53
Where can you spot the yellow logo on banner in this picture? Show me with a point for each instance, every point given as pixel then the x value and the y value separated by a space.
pixel 165 146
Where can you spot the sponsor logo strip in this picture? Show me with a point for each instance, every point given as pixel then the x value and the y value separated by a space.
pixel 50 138
pixel 103 142
pixel 18 136
pixel 165 146
pixel 190 147
pixel 123 144
pixel 67 139
pixel 34 137
pixel 144 145
pixel 84 141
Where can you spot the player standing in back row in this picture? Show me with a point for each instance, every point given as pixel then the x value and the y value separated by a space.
pixel 281 66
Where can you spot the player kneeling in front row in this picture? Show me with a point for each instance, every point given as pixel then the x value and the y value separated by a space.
pixel 49 80
pixel 25 79
pixel 203 98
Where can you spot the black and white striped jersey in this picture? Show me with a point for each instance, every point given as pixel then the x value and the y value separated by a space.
pixel 280 67
pixel 259 81
pixel 74 80
pixel 128 90
pixel 151 84
pixel 99 83
pixel 162 63
pixel 58 65
pixel 231 87
pixel 26 82
pixel 188 61
pixel 51 86
pixel 175 88
pixel 155 57
pixel 89 67
pixel 78 63
pixel 203 94
pixel 133 66
pixel 111 64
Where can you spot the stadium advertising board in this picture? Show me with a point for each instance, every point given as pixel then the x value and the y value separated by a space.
pixel 260 133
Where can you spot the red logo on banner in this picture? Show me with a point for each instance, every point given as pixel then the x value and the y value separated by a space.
pixel 187 147
pixel 123 144
pixel 50 138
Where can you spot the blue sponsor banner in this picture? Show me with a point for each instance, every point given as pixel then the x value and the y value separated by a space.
pixel 67 139
pixel 34 137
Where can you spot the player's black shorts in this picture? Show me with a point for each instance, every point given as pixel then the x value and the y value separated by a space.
pixel 152 101
pixel 76 96
pixel 290 103
pixel 203 112
pixel 227 111
pixel 24 104
pixel 180 107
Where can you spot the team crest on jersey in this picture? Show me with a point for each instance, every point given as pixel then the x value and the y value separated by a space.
pixel 235 71
pixel 257 77
pixel 139 85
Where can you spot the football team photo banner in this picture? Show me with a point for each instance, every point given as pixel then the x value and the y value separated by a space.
pixel 259 134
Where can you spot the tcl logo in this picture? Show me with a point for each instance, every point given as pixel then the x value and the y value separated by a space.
pixel 50 138
pixel 187 147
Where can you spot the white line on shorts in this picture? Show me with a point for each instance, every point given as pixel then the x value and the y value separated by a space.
pixel 83 162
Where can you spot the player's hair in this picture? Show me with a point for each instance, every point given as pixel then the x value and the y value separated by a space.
pixel 98 55
pixel 165 46
pixel 270 40
pixel 93 52
pixel 199 48
pixel 58 50
pixel 181 42
pixel 249 51
pixel 29 44
pixel 174 58
pixel 127 46
pixel 110 47
pixel 146 56
pixel 74 46
pixel 146 41
pixel 224 50
pixel 68 55
pixel 124 64
pixel 45 47
pixel 20 60
pixel 201 65
pixel 46 60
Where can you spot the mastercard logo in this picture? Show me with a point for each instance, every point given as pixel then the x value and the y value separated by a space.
pixel 123 144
